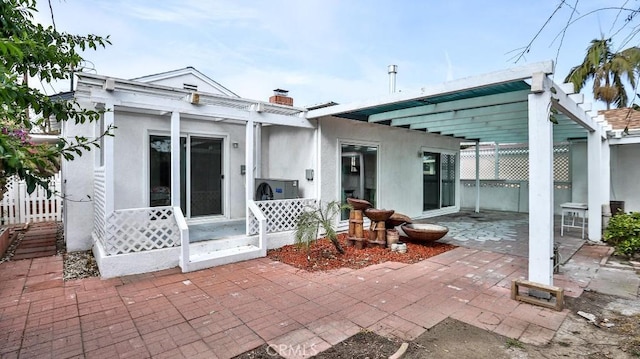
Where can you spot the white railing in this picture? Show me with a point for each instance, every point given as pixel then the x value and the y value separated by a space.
pixel 140 229
pixel 183 228
pixel 258 215
pixel 17 206
pixel 281 215
pixel 99 204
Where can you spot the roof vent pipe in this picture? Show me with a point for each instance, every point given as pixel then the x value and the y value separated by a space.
pixel 393 70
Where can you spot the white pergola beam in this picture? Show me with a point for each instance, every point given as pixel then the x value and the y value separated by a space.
pixel 462 114
pixel 211 111
pixel 499 77
pixel 562 102
pixel 512 116
pixel 481 101
pixel 568 88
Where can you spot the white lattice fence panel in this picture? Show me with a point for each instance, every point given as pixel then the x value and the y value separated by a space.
pixel 282 215
pixel 10 208
pixel 99 204
pixel 561 163
pixel 468 164
pixel 514 163
pixel 143 229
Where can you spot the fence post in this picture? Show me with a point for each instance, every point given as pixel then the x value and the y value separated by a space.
pixel 22 202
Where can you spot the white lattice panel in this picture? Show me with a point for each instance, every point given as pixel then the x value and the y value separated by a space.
pixel 143 229
pixel 99 204
pixel 513 163
pixel 282 215
pixel 468 163
pixel 561 163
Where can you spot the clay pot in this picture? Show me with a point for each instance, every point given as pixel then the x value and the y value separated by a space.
pixel 359 204
pixel 397 219
pixel 378 215
pixel 424 232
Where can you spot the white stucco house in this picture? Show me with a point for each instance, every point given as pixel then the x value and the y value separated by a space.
pixel 189 155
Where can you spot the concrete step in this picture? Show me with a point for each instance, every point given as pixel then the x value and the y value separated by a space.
pixel 22 249
pixel 37 242
pixel 208 259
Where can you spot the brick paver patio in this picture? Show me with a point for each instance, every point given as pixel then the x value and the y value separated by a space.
pixel 224 311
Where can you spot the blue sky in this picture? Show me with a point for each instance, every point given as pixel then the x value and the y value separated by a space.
pixel 330 50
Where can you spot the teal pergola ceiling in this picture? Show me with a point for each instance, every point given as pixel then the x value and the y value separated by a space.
pixel 492 113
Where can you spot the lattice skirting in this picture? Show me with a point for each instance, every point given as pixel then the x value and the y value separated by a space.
pixel 138 230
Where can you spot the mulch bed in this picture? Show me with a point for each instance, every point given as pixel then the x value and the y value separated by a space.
pixel 323 256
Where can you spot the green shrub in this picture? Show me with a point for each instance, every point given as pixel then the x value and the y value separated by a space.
pixel 623 233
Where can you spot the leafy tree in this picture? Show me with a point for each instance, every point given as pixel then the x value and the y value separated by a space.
pixel 32 50
pixel 608 70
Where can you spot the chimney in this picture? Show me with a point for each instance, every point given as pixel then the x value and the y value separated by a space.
pixel 393 70
pixel 280 97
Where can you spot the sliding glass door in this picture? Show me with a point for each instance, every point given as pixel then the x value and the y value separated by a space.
pixel 201 187
pixel 206 176
pixel 438 180
pixel 358 178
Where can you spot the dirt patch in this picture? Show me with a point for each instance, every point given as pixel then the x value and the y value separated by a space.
pixel 323 256
pixel 615 332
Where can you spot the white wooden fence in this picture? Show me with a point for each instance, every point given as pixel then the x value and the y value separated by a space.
pixel 17 206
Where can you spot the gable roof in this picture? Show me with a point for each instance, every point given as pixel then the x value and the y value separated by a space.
pixel 189 70
pixel 619 118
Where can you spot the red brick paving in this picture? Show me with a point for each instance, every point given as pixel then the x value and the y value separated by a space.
pixel 224 311
pixel 38 240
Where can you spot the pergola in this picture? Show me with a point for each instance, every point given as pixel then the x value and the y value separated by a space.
pixel 519 105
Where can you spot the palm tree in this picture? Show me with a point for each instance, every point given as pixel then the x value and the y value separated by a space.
pixel 607 70
pixel 312 219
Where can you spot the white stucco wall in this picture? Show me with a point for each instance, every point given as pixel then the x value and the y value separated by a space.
pixel 400 177
pixel 132 157
pixel 625 171
pixel 77 184
pixel 286 153
pixel 579 180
